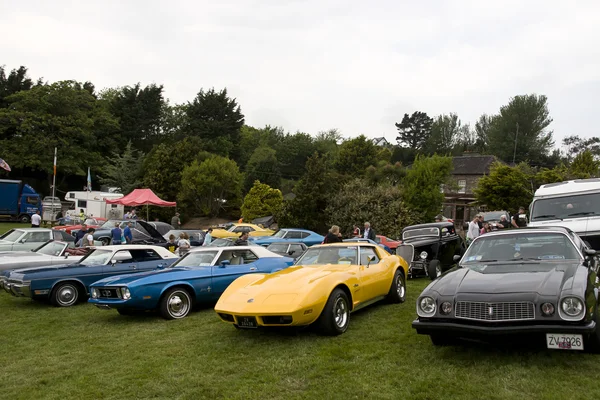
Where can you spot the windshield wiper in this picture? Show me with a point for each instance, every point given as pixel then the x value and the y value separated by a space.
pixel 524 259
pixel 581 213
pixel 484 261
pixel 546 216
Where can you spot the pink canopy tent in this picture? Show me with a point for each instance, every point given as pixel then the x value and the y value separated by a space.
pixel 142 197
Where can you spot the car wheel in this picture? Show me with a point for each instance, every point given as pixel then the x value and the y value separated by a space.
pixel 335 317
pixel 439 340
pixel 175 304
pixel 105 241
pixel 434 269
pixel 65 295
pixel 397 293
pixel 25 219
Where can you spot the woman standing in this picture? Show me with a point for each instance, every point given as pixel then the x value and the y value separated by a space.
pixel 183 244
pixel 334 235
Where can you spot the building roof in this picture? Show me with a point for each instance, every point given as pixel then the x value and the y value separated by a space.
pixel 472 165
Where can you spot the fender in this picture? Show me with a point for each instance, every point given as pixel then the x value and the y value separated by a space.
pixel 87 292
pixel 178 283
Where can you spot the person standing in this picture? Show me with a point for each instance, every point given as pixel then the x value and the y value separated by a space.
pixel 207 237
pixel 486 228
pixel 369 233
pixel 116 234
pixel 89 238
pixel 242 240
pixel 36 220
pixel 473 231
pixel 176 222
pixel 172 245
pixel 356 231
pixel 183 244
pixel 133 215
pixel 334 235
pixel 80 236
pixel 519 220
pixel 81 215
pixel 503 223
pixel 127 233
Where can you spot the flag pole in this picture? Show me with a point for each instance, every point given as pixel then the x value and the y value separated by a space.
pixel 53 185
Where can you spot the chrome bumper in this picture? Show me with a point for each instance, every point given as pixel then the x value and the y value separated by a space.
pixel 17 289
pixel 103 306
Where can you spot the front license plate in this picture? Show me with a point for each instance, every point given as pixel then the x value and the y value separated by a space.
pixel 562 341
pixel 247 322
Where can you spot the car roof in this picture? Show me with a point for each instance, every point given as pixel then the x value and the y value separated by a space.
pixel 33 229
pixel 259 250
pixel 129 247
pixel 346 244
pixel 532 229
pixel 296 230
pixel 442 224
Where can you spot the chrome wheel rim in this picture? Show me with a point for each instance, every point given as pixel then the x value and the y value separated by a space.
pixel 178 304
pixel 340 312
pixel 66 295
pixel 105 242
pixel 400 287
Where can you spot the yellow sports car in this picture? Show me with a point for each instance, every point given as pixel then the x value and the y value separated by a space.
pixel 327 283
pixel 237 229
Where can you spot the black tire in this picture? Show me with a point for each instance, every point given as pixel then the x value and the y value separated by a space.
pixel 105 241
pixel 335 317
pixel 24 219
pixel 439 340
pixel 176 303
pixel 434 269
pixel 65 294
pixel 592 342
pixel 397 293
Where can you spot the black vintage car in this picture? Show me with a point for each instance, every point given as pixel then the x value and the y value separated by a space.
pixel 533 282
pixel 430 248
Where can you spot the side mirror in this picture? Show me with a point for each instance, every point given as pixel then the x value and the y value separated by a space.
pixel 22 240
pixel 113 262
pixel 224 263
pixel 370 258
pixel 161 266
pixel 456 258
pixel 291 252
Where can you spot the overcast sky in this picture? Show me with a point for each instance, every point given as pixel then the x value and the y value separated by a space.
pixel 312 65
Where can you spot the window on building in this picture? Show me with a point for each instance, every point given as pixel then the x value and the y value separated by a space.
pixel 462 186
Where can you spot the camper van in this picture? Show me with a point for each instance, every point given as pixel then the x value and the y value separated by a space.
pixel 572 204
pixel 94 204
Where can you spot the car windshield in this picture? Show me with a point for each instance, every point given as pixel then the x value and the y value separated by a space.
pixel 528 246
pixel 421 232
pixel 90 221
pixel 231 228
pixel 196 259
pixel 51 248
pixel 109 224
pixel 280 234
pixel 493 215
pixel 221 243
pixel 97 257
pixel 583 205
pixel 329 255
pixel 12 236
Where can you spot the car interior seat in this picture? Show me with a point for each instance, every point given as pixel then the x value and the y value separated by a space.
pixel 236 260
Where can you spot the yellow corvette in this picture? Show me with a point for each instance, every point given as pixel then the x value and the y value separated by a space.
pixel 236 230
pixel 327 283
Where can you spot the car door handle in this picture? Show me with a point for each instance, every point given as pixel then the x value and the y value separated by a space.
pixel 252 268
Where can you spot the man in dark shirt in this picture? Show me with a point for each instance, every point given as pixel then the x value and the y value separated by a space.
pixel 243 240
pixel 127 233
pixel 519 220
pixel 80 235
pixel 116 234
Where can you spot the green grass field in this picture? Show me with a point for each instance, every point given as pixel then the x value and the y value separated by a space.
pixel 6 226
pixel 82 352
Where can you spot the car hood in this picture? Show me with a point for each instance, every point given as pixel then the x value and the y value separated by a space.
pixel 4 255
pixel 24 271
pixel 541 278
pixel 419 242
pixel 157 275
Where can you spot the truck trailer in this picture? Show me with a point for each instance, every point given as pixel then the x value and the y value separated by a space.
pixel 18 201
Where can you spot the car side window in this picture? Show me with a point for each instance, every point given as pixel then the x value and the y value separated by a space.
pixel 145 255
pixel 237 257
pixel 304 235
pixel 57 235
pixel 280 247
pixel 365 253
pixel 37 237
pixel 293 235
pixel 296 249
pixel 247 255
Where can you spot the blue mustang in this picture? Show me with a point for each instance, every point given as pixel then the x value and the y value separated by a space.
pixel 307 237
pixel 65 285
pixel 199 276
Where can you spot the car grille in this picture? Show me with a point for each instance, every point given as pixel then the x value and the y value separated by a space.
pixel 493 312
pixel 106 293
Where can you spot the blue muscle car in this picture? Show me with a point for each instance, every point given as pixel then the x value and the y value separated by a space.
pixel 309 238
pixel 199 276
pixel 65 285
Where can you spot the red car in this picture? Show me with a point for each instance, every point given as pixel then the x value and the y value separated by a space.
pixel 392 244
pixel 95 222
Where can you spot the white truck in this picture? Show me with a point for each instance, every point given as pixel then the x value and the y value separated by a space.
pixel 572 204
pixel 94 204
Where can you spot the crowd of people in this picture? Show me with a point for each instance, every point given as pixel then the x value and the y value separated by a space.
pixel 335 236
pixel 478 226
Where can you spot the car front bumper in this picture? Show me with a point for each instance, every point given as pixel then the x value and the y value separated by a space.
pixel 465 330
pixel 16 289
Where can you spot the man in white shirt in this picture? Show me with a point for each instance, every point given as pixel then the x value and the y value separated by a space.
pixel 36 220
pixel 473 231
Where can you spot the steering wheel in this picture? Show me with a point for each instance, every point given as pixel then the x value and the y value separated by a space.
pixel 346 259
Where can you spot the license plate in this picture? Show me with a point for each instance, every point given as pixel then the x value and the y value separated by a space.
pixel 564 341
pixel 247 322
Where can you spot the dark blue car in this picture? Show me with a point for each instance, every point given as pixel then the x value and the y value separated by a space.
pixel 65 285
pixel 201 276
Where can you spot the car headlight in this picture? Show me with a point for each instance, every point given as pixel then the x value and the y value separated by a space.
pixel 426 306
pixel 125 294
pixel 95 293
pixel 547 309
pixel 423 255
pixel 572 308
pixel 446 308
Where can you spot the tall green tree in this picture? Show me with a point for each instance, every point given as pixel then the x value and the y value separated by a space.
pixel 355 155
pixel 584 166
pixel 414 130
pixel 124 170
pixel 523 123
pixel 16 81
pixel 422 184
pixel 212 186
pixel 217 119
pixel 263 166
pixel 261 201
pixel 327 143
pixel 505 188
pixel 445 135
pixel 576 145
pixel 292 152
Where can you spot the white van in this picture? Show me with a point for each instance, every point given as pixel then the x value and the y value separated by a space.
pixel 94 204
pixel 572 204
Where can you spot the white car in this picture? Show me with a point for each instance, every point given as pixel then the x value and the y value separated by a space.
pixel 50 253
pixel 25 239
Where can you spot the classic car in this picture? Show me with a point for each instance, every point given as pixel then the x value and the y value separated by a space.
pixel 307 237
pixel 236 230
pixel 25 239
pixel 196 236
pixel 52 252
pixel 365 240
pixel 293 250
pixel 223 242
pixel 143 232
pixel 200 276
pixel 65 285
pixel 326 284
pixel 430 248
pixel 386 241
pixel 75 224
pixel 538 283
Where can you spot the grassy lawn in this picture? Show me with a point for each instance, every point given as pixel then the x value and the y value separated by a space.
pixel 6 226
pixel 83 352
